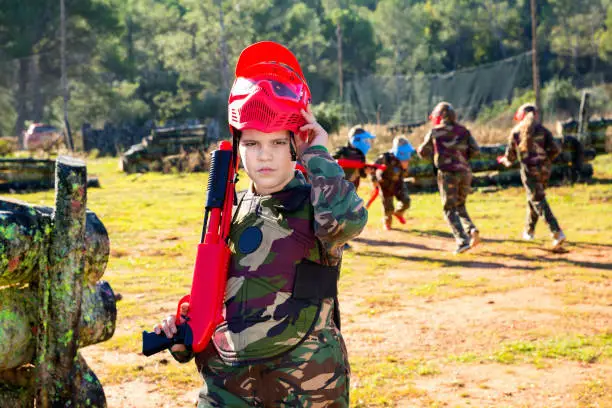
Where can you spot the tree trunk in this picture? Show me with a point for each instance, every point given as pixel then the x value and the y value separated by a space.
pixel 22 97
pixel 37 96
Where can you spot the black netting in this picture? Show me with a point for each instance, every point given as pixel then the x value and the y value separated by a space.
pixel 406 99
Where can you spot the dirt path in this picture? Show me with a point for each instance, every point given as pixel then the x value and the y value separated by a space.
pixel 491 299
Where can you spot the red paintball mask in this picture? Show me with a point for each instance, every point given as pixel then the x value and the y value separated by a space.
pixel 269 91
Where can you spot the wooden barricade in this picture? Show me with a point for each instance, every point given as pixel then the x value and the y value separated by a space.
pixel 52 301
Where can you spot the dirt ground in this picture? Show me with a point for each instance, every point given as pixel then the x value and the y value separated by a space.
pixel 432 328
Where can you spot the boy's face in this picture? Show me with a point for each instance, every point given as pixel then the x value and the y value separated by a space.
pixel 267 159
pixel 404 164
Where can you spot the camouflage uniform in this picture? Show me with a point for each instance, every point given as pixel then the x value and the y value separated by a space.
pixel 352 153
pixel 452 146
pixel 276 346
pixel 392 184
pixel 535 172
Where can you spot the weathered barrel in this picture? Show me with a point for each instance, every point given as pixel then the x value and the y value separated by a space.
pixel 18 321
pixel 24 239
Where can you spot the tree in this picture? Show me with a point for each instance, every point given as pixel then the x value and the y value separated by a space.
pixel 28 34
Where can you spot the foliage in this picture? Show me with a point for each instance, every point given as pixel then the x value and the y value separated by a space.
pixel 135 60
pixel 328 115
pixel 559 98
pixel 8 146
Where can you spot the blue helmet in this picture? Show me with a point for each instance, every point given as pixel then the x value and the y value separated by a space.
pixel 402 149
pixel 360 139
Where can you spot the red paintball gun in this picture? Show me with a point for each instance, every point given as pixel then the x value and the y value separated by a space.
pixel 356 164
pixel 212 261
pixel 301 169
pixel 373 196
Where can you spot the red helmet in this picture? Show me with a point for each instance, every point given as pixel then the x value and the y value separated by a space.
pixel 522 111
pixel 269 90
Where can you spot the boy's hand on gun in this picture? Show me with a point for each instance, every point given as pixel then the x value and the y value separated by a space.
pixel 316 135
pixel 168 326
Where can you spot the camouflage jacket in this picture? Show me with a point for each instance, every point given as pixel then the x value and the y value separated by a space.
pixel 393 176
pixel 543 152
pixel 450 146
pixel 270 235
pixel 351 153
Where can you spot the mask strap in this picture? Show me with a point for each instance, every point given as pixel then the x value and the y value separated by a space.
pixel 292 148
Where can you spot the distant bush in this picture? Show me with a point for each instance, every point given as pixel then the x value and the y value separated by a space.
pixel 560 99
pixel 329 115
pixel 8 146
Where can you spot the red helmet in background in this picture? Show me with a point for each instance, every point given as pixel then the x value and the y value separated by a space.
pixel 269 90
pixel 523 110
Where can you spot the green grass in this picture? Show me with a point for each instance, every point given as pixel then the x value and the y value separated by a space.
pixel 586 349
pixel 154 223
pixel 594 393
pixel 381 382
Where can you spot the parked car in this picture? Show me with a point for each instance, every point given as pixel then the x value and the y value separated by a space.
pixel 41 136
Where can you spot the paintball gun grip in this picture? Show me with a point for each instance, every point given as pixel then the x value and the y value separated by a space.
pixel 154 343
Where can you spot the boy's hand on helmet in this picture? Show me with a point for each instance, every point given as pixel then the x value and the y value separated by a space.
pixel 168 326
pixel 316 135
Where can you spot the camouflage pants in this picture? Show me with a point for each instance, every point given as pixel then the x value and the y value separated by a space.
pixel 535 181
pixel 400 193
pixel 315 374
pixel 454 188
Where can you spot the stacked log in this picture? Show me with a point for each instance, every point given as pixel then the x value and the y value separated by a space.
pixel 166 149
pixel 572 165
pixel 51 296
pixel 18 174
pixel 30 174
pixel 595 132
pixel 404 128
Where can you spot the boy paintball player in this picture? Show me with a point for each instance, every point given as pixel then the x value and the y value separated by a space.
pixel 356 150
pixel 280 342
pixel 391 181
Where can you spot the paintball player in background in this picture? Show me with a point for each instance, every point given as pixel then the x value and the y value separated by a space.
pixel 533 145
pixel 450 146
pixel 356 149
pixel 391 181
pixel 280 343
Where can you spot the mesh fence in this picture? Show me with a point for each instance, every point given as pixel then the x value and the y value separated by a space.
pixel 406 99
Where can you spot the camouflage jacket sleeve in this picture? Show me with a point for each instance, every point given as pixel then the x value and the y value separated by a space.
pixel 473 148
pixel 511 149
pixel 425 150
pixel 339 213
pixel 552 147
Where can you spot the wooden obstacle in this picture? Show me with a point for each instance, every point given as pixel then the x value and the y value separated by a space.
pixel 404 128
pixel 571 165
pixel 30 174
pixel 51 300
pixel 174 147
